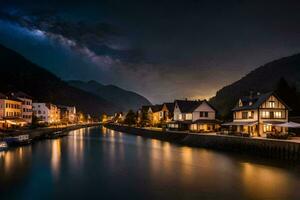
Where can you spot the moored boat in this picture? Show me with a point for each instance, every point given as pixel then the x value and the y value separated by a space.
pixel 18 140
pixel 3 146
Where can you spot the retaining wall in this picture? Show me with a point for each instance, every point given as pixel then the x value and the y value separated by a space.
pixel 286 150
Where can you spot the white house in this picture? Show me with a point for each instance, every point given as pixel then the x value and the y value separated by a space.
pixel 196 116
pixel 259 114
pixel 46 112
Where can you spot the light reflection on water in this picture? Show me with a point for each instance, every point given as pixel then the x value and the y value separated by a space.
pixel 98 162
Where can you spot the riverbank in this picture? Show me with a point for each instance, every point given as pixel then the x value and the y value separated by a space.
pixel 279 149
pixel 41 133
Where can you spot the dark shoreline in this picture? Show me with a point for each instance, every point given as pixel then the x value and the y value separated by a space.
pixel 42 133
pixel 275 149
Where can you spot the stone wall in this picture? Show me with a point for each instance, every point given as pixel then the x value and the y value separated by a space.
pixel 286 150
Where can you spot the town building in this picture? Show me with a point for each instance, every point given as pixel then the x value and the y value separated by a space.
pixel 46 112
pixel 168 112
pixel 195 116
pixel 157 115
pixel 68 114
pixel 144 116
pixel 259 114
pixel 10 112
pixel 26 107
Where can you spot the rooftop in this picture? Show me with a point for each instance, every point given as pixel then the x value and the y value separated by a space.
pixel 254 102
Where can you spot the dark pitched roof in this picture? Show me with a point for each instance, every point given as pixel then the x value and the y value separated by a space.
pixel 250 103
pixel 170 106
pixel 145 108
pixel 3 96
pixel 156 108
pixel 20 94
pixel 186 106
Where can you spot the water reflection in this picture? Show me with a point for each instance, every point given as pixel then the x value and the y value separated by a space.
pixel 265 182
pixel 76 148
pixel 14 165
pixel 56 157
pixel 138 168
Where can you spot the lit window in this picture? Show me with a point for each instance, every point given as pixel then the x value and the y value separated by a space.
pixel 265 114
pixel 278 115
pixel 188 116
pixel 271 104
pixel 267 128
pixel 180 117
pixel 194 127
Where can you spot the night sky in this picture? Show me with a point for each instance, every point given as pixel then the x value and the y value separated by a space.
pixel 160 49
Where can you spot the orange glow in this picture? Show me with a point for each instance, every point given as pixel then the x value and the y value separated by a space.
pixel 55 157
pixel 263 182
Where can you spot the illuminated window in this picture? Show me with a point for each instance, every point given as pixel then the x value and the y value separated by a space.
pixel 188 116
pixel 267 128
pixel 251 114
pixel 194 127
pixel 265 114
pixel 160 114
pixel 180 117
pixel 278 115
pixel 271 104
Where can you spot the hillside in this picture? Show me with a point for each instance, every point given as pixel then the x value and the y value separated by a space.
pixel 17 73
pixel 262 79
pixel 125 99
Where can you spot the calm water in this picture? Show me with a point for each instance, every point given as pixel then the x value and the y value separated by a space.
pixel 96 163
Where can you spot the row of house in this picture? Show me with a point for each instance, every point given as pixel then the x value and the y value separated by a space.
pixel 182 115
pixel 18 109
pixel 256 115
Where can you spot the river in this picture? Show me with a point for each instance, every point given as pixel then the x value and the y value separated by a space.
pixel 98 163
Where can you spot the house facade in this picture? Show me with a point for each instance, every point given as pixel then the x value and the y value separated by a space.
pixel 46 112
pixel 260 114
pixel 26 107
pixel 168 112
pixel 157 114
pixel 67 114
pixel 195 116
pixel 204 118
pixel 10 112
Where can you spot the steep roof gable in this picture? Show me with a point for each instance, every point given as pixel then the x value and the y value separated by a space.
pixel 156 108
pixel 186 106
pixel 207 103
pixel 170 106
pixel 249 103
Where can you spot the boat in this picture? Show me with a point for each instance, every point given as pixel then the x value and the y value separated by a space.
pixel 56 135
pixel 18 140
pixel 3 146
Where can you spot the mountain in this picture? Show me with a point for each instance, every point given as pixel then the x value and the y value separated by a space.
pixel 125 99
pixel 17 73
pixel 263 79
